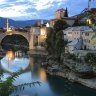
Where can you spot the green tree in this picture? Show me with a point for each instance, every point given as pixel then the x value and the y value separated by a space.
pixel 90 58
pixel 60 25
pixel 50 41
pixel 76 23
pixel 7 87
pixel 55 43
pixel 60 43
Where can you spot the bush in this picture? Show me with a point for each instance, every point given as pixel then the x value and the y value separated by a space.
pixel 71 56
pixel 90 58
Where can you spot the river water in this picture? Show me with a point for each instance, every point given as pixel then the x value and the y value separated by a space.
pixel 50 85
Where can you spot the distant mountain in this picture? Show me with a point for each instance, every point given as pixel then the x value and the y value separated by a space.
pixel 18 23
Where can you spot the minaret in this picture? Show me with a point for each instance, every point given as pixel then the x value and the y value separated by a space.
pixel 42 23
pixel 66 13
pixel 7 25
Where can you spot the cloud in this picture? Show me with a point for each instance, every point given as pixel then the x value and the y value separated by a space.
pixel 41 4
pixel 24 8
pixel 3 1
pixel 33 9
pixel 14 11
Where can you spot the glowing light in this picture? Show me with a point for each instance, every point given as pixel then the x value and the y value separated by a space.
pixel 89 21
pixel 43 32
pixel 42 74
pixel 10 55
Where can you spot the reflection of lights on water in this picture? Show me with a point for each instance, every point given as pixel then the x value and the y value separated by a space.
pixel 42 74
pixel 10 55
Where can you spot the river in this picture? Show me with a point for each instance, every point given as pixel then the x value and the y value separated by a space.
pixel 50 85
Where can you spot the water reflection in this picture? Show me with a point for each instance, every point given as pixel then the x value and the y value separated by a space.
pixel 12 63
pixel 42 74
pixel 10 55
pixel 50 85
pixel 36 71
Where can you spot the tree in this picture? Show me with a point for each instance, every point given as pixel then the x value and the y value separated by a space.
pixel 60 25
pixel 90 58
pixel 60 43
pixel 7 87
pixel 55 43
pixel 50 41
pixel 76 23
pixel 66 13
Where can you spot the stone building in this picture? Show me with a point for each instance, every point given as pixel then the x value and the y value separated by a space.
pixel 76 37
pixel 89 40
pixel 62 14
pixel 38 36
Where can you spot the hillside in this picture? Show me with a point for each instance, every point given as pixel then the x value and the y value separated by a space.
pixel 18 23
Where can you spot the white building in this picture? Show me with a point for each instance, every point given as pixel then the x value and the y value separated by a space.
pixel 74 35
pixel 89 40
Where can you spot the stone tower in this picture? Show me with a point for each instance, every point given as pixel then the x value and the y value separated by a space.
pixel 61 13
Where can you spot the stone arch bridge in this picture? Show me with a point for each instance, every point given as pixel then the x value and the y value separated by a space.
pixel 26 35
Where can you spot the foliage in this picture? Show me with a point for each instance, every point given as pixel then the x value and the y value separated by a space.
pixel 55 43
pixel 59 45
pixel 76 23
pixel 60 25
pixel 72 56
pixel 91 16
pixel 90 58
pixel 7 87
pixel 50 41
pixel 27 27
pixel 2 30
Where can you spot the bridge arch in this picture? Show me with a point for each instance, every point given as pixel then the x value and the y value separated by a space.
pixel 24 36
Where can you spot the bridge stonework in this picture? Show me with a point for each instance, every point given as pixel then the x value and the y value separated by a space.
pixel 27 36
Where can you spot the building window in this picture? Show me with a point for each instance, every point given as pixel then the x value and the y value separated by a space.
pixel 84 40
pixel 89 41
pixel 86 34
pixel 69 32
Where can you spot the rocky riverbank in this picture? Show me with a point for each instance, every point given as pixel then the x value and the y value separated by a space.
pixel 76 72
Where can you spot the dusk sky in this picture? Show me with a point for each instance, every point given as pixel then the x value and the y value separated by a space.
pixel 40 9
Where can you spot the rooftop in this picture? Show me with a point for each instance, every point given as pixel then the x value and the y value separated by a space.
pixel 80 28
pixel 61 9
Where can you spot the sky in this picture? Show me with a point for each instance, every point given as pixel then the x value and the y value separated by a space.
pixel 40 9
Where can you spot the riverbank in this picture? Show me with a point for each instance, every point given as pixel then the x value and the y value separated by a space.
pixel 37 52
pixel 72 77
pixel 80 75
